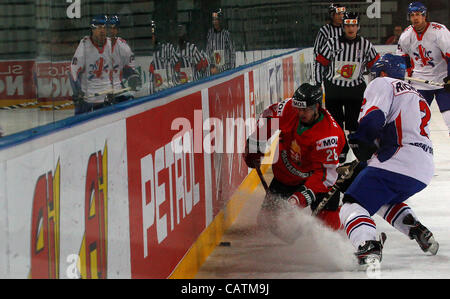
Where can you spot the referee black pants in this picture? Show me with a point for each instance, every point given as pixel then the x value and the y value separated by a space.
pixel 344 104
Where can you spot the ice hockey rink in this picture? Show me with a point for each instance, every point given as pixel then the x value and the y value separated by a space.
pixel 322 253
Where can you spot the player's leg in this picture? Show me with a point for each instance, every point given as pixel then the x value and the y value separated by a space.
pixel 443 101
pixel 428 95
pixel 352 107
pixel 272 202
pixel 364 197
pixel 333 102
pixel 335 105
pixel 329 215
pixel 401 216
pixel 277 214
pixel 83 107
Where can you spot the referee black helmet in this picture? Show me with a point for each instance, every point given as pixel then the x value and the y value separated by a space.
pixel 335 8
pixel 350 18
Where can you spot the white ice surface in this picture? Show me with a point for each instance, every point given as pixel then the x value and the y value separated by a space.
pixel 321 253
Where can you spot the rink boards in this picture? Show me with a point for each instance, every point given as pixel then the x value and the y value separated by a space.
pixel 111 195
pixel 144 189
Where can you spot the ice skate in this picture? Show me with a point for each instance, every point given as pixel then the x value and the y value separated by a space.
pixel 421 234
pixel 370 253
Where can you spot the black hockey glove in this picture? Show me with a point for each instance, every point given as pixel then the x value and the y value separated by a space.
pixel 447 84
pixel 134 82
pixel 303 197
pixel 252 158
pixel 110 99
pixel 343 184
pixel 362 150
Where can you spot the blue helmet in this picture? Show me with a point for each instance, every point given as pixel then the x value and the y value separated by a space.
pixel 417 7
pixel 393 65
pixel 114 20
pixel 99 20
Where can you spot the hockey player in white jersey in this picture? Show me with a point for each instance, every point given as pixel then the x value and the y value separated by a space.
pixel 393 137
pixel 124 72
pixel 426 47
pixel 91 68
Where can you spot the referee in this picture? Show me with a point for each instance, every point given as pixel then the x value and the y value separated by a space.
pixel 330 30
pixel 342 61
pixel 188 59
pixel 219 46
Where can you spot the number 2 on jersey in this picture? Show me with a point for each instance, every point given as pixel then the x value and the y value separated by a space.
pixel 426 118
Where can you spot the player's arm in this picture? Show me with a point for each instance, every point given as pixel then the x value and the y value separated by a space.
pixel 322 61
pixel 372 56
pixel 319 42
pixel 371 119
pixel 362 141
pixel 129 67
pixel 198 58
pixel 209 48
pixel 326 158
pixel 266 126
pixel 444 45
pixel 76 71
pixel 232 50
pixel 401 46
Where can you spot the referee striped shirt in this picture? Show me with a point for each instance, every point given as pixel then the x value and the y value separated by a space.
pixel 343 61
pixel 165 51
pixel 189 58
pixel 325 33
pixel 161 75
pixel 190 52
pixel 220 49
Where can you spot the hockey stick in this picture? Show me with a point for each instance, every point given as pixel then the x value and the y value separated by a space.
pixel 58 107
pixel 426 81
pixel 346 175
pixel 18 106
pixel 111 91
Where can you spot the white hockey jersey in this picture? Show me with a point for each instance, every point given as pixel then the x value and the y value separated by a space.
pixel 91 69
pixel 405 146
pixel 428 52
pixel 122 58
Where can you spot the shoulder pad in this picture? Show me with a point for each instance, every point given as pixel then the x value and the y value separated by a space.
pixel 408 29
pixel 437 26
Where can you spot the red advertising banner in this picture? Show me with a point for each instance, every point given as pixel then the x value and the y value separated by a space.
pixel 288 77
pixel 16 81
pixel 166 186
pixel 53 83
pixel 24 81
pixel 166 149
pixel 252 95
pixel 227 105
